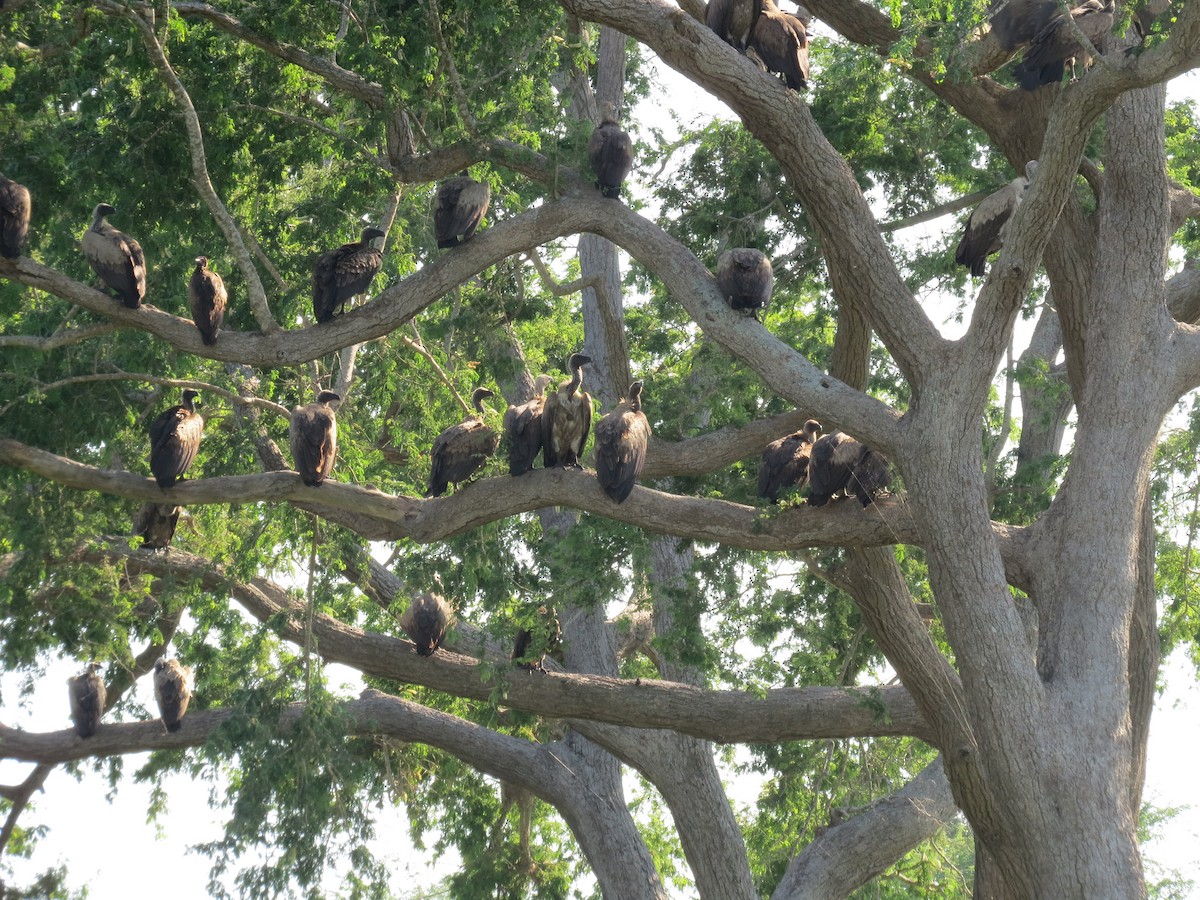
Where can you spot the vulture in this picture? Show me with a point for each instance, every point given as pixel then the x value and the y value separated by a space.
pixel 173 691
pixel 341 273
pixel 207 298
pixel 14 217
pixel 839 462
pixel 462 450
pixel 534 643
pixel 733 20
pixel 425 622
pixel 87 700
pixel 621 438
pixel 523 429
pixel 785 461
pixel 155 524
pixel 781 42
pixel 984 232
pixel 313 434
pixel 174 437
pixel 461 203
pixel 1056 44
pixel 610 151
pixel 744 278
pixel 116 258
pixel 567 418
pixel 1017 22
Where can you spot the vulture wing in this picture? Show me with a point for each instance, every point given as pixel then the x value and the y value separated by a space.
pixel 174 438
pixel 118 260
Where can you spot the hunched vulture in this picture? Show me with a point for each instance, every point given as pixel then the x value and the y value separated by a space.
pixel 781 42
pixel 115 257
pixel 621 439
pixel 785 462
pixel 87 694
pixel 425 622
pixel 313 437
pixel 343 272
pixel 839 462
pixel 463 449
pixel 14 217
pixel 985 228
pixel 744 278
pixel 155 524
pixel 174 437
pixel 173 691
pixel 523 429
pixel 567 418
pixel 610 151
pixel 460 206
pixel 733 20
pixel 207 298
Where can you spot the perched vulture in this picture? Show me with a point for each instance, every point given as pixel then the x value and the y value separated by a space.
pixel 1051 48
pixel 1017 22
pixel 87 700
pixel 785 461
pixel 341 273
pixel 984 233
pixel 781 42
pixel 207 298
pixel 313 434
pixel 744 278
pixel 174 437
pixel 523 429
pixel 567 418
pixel 733 20
pixel 461 203
pixel 530 649
pixel 621 438
pixel 463 449
pixel 610 151
pixel 425 622
pixel 173 691
pixel 155 524
pixel 14 217
pixel 839 462
pixel 116 258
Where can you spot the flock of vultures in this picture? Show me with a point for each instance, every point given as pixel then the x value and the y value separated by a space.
pixel 557 424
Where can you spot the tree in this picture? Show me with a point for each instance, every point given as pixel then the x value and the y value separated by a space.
pixel 1014 596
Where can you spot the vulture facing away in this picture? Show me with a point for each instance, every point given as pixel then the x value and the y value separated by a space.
pixel 839 462
pixel 744 278
pixel 174 437
pixel 460 206
pixel 173 691
pixel 116 258
pixel 344 272
pixel 425 622
pixel 621 439
pixel 785 461
pixel 463 449
pixel 733 20
pixel 14 217
pixel 523 429
pixel 567 418
pixel 529 653
pixel 155 524
pixel 313 436
pixel 984 232
pixel 1017 22
pixel 781 42
pixel 87 700
pixel 207 298
pixel 610 151
pixel 1047 54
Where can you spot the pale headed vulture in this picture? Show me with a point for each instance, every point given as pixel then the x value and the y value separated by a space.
pixel 463 449
pixel 984 231
pixel 116 258
pixel 567 418
pixel 785 462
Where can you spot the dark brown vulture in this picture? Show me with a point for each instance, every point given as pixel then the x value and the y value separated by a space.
pixel 461 204
pixel 87 700
pixel 781 42
pixel 523 429
pixel 173 691
pixel 567 418
pixel 344 272
pixel 733 20
pixel 785 461
pixel 839 462
pixel 14 217
pixel 621 439
pixel 610 151
pixel 313 435
pixel 155 524
pixel 425 622
pixel 207 298
pixel 1017 22
pixel 463 449
pixel 116 258
pixel 1048 53
pixel 542 636
pixel 174 437
pixel 744 278
pixel 984 231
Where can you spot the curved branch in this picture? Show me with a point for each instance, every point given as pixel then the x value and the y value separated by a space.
pixel 63 338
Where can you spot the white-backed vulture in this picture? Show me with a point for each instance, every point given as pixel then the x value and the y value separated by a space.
pixel 567 418
pixel 155 524
pixel 523 429
pixel 733 20
pixel 87 694
pixel 610 151
pixel 621 440
pixel 463 449
pixel 173 691
pixel 1046 56
pixel 14 217
pixel 781 42
pixel 115 257
pixel 174 438
pixel 744 278
pixel 313 437
pixel 983 234
pixel 207 299
pixel 425 622
pixel 460 206
pixel 840 463
pixel 785 462
pixel 344 272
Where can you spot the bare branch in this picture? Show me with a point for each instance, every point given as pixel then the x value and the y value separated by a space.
pixel 65 337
